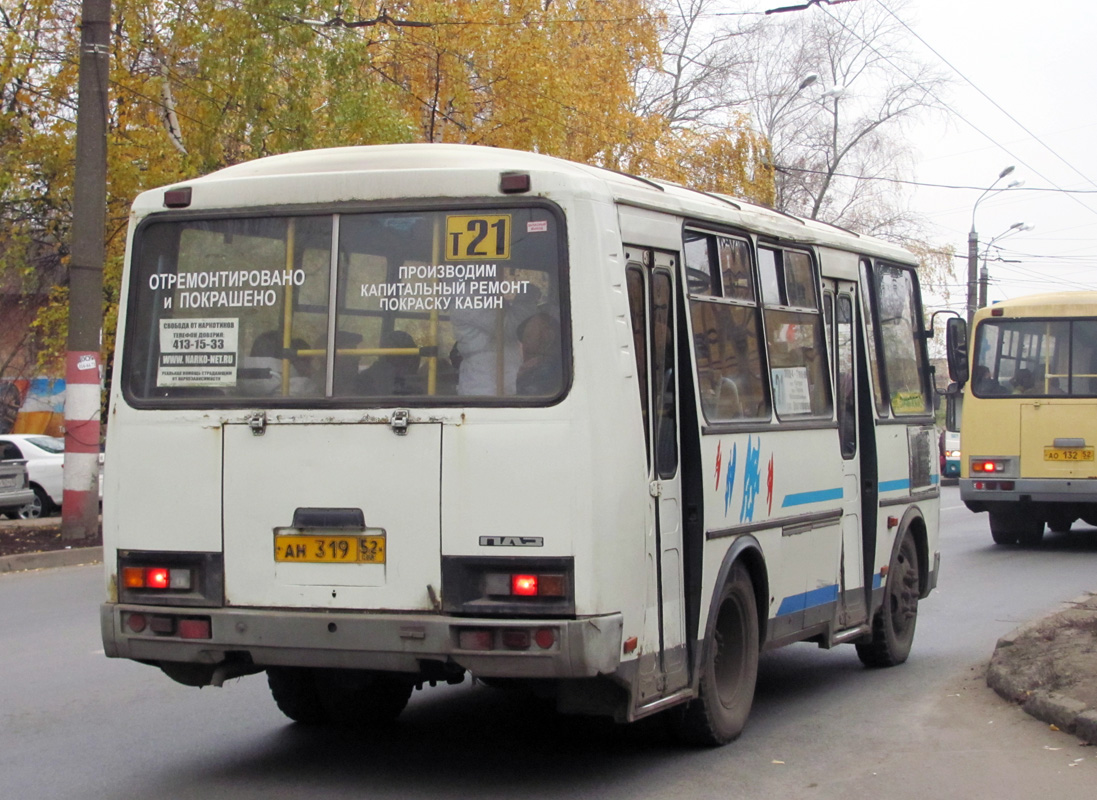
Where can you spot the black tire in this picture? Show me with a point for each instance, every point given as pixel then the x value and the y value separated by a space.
pixel 894 623
pixel 1061 523
pixel 294 691
pixel 362 699
pixel 729 668
pixel 343 697
pixel 1017 525
pixel 1003 529
pixel 40 506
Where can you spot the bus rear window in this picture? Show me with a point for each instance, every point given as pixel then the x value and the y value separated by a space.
pixel 356 309
pixel 1035 357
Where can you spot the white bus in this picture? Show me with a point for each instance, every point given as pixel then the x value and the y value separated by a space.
pixel 386 416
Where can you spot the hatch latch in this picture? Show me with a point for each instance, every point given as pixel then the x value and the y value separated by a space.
pixel 258 423
pixel 399 421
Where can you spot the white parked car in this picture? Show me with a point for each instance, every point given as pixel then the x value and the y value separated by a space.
pixel 45 457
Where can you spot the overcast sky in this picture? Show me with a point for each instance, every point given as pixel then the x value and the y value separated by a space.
pixel 1024 94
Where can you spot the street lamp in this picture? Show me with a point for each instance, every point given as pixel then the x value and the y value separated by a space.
pixel 973 249
pixel 1016 227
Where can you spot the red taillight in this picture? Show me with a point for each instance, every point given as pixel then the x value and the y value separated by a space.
pixel 194 629
pixel 986 466
pixel 156 578
pixel 523 585
pixel 545 637
pixel 475 639
pixel 515 639
pixel 136 622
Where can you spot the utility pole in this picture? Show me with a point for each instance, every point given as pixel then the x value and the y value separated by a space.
pixel 972 273
pixel 80 504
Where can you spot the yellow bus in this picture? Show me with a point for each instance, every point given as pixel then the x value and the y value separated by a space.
pixel 1030 416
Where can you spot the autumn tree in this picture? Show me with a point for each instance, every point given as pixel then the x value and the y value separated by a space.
pixel 200 84
pixel 833 89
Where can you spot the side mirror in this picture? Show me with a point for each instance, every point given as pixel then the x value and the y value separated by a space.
pixel 956 349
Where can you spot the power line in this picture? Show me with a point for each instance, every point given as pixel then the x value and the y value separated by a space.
pixel 985 95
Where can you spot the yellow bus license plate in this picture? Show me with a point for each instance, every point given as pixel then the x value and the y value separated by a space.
pixel 330 549
pixel 1068 454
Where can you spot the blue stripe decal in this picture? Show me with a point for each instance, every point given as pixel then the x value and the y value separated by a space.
pixel 802 602
pixel 894 486
pixel 804 498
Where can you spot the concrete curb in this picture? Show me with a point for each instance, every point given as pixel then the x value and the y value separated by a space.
pixel 1064 712
pixel 50 559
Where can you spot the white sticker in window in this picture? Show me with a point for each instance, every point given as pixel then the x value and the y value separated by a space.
pixel 198 352
pixel 791 391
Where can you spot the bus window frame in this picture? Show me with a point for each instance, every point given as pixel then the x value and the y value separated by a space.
pixel 827 418
pixel 755 306
pixel 1005 392
pixel 334 211
pixel 877 355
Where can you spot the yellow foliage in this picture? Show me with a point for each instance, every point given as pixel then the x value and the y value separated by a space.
pixel 196 85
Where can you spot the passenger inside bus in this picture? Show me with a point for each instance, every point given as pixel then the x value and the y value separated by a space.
pixel 488 342
pixel 260 374
pixel 540 371
pixel 395 374
pixel 983 383
pixel 1022 382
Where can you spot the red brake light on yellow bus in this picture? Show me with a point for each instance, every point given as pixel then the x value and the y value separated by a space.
pixel 985 466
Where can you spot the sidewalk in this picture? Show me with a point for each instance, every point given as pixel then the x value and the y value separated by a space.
pixel 1049 667
pixel 63 557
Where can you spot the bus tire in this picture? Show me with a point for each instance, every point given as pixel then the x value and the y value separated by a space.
pixel 1003 529
pixel 294 692
pixel 1061 523
pixel 1032 534
pixel 894 623
pixel 362 698
pixel 729 668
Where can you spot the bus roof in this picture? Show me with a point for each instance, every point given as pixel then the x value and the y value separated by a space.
pixel 1046 304
pixel 335 175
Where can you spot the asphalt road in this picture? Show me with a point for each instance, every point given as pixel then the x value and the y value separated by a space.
pixel 75 725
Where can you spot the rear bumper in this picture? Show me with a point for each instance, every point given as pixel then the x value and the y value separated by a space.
pixel 1035 490
pixel 13 501
pixel 393 642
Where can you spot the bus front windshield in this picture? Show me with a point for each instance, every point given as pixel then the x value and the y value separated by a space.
pixel 401 307
pixel 1035 357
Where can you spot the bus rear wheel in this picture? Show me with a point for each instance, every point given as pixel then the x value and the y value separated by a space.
pixel 1017 525
pixel 893 626
pixel 343 697
pixel 729 668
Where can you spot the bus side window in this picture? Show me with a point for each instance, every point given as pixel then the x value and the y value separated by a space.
pixel 726 323
pixel 795 341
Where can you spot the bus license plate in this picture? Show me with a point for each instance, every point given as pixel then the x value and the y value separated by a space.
pixel 1068 454
pixel 330 549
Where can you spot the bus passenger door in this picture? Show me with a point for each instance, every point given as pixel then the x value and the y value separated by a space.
pixel 651 285
pixel 852 608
